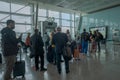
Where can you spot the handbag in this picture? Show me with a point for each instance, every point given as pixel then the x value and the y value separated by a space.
pixel 32 53
pixel 67 52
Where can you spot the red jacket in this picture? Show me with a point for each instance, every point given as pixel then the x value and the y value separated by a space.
pixel 27 42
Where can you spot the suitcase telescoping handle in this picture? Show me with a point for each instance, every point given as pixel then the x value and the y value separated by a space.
pixel 20 52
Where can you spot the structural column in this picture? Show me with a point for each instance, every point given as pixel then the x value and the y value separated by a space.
pixel 36 18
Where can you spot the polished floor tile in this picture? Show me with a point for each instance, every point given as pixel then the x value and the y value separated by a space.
pixel 96 66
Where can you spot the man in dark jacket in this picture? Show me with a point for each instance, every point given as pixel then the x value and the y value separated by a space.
pixel 9 47
pixel 60 39
pixel 37 49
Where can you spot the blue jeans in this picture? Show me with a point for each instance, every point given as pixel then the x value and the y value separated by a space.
pixel 84 46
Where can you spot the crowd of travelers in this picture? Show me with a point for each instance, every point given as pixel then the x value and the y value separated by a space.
pixel 56 45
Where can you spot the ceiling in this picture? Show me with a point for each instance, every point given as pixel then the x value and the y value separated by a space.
pixel 87 6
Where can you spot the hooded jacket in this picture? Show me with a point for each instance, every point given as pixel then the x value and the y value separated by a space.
pixel 9 42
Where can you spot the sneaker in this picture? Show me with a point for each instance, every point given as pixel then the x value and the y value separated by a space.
pixel 43 69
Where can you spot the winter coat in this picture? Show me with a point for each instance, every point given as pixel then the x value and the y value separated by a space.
pixel 37 44
pixel 9 42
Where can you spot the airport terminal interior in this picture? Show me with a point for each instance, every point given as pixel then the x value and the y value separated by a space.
pixel 73 16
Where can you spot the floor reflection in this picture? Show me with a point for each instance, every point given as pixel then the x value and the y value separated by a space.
pixel 97 66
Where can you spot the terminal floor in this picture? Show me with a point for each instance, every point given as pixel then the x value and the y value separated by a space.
pixel 97 66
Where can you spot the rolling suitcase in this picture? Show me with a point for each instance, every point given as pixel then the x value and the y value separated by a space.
pixel 19 67
pixel 0 58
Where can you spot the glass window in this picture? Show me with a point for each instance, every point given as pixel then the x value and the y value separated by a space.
pixel 77 16
pixel 91 20
pixel 73 17
pixel 28 28
pixel 53 14
pixel 22 28
pixel 21 19
pixel 64 29
pixel 84 19
pixel 106 22
pixel 65 23
pixel 4 6
pixel 65 16
pixel 77 20
pixel 42 19
pixel 25 10
pixel 72 23
pixel 2 26
pixel 57 21
pixel 111 24
pixel 4 17
pixel 96 21
pixel 42 12
pixel 102 21
pixel 73 33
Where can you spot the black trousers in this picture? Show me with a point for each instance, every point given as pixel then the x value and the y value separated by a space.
pixel 58 57
pixel 37 61
pixel 98 43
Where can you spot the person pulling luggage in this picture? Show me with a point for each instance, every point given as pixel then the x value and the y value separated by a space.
pixel 9 48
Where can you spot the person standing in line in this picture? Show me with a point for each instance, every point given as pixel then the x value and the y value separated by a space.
pixel 37 49
pixel 69 40
pixel 90 44
pixel 9 48
pixel 68 35
pixel 53 48
pixel 27 43
pixel 84 41
pixel 60 40
pixel 98 39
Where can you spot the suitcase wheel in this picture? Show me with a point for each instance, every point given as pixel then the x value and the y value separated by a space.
pixel 23 76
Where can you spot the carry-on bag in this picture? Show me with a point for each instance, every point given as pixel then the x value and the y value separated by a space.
pixel 19 67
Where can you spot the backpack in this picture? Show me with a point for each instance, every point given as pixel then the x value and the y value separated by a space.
pixel 85 36
pixel 100 36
